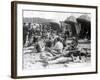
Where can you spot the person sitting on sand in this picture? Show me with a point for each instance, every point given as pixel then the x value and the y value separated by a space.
pixel 58 47
pixel 61 55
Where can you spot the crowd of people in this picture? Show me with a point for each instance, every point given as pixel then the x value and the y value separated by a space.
pixel 54 46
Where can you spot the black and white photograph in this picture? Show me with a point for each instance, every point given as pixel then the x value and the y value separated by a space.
pixel 53 39
pixel 56 39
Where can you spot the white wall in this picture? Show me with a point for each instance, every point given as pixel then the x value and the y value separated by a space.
pixel 5 40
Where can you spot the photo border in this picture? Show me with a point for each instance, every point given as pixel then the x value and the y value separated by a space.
pixel 14 38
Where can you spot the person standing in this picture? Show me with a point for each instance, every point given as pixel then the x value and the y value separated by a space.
pixel 25 33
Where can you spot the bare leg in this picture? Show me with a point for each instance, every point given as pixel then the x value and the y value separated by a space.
pixel 59 60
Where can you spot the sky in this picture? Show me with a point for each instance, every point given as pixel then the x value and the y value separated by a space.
pixel 58 16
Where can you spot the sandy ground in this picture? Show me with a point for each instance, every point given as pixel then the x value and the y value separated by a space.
pixel 29 58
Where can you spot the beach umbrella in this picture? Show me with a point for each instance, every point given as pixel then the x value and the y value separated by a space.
pixel 71 19
pixel 84 19
pixel 85 22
